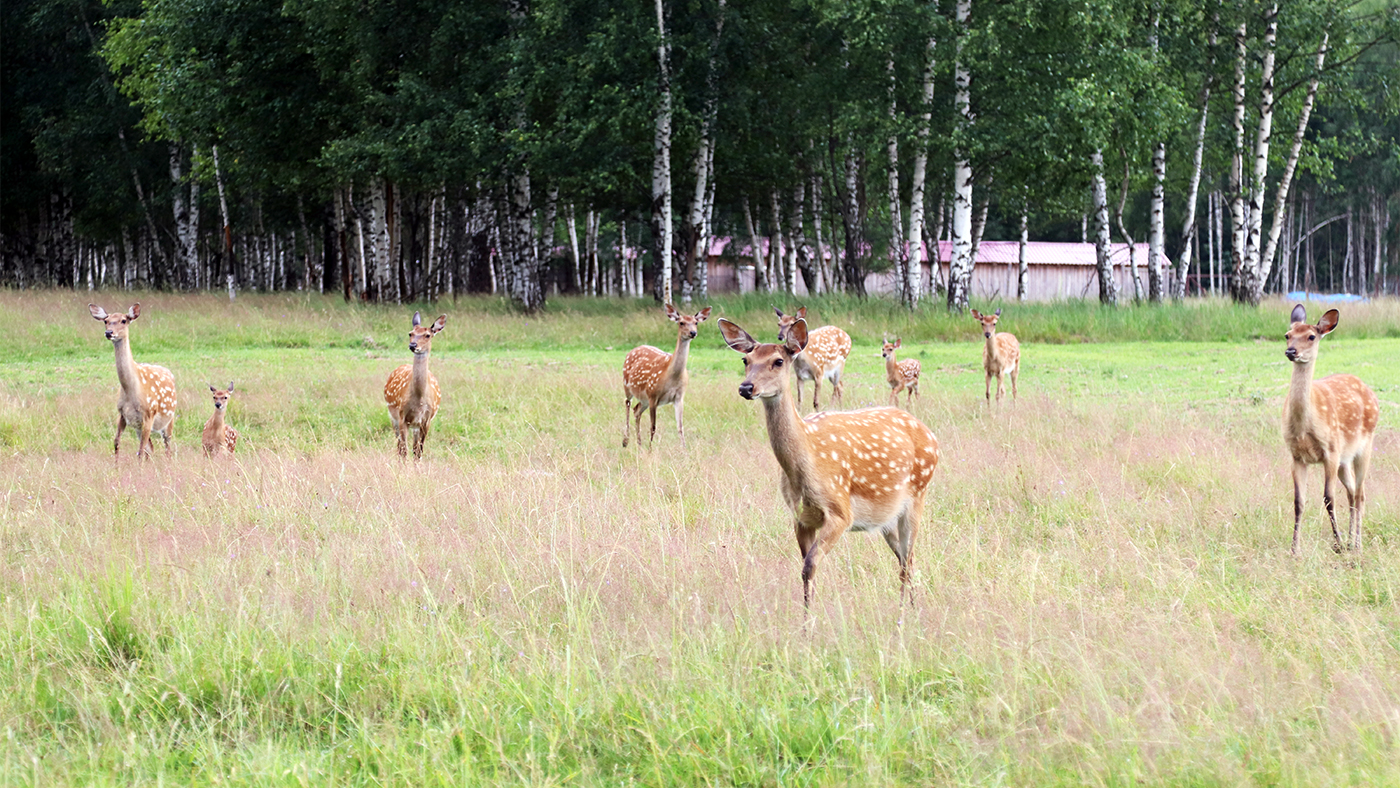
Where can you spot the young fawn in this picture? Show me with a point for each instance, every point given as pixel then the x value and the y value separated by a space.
pixel 218 436
pixel 902 375
pixel 1000 356
pixel 411 393
pixel 1330 421
pixel 148 390
pixel 654 377
pixel 828 348
pixel 864 470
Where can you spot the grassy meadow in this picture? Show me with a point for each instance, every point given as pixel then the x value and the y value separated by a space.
pixel 1104 590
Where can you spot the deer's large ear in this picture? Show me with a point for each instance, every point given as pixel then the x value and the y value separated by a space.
pixel 736 338
pixel 417 320
pixel 896 341
pixel 796 337
pixel 802 312
pixel 976 315
pixel 1328 322
pixel 439 324
pixel 211 388
pixel 134 312
pixel 998 312
pixel 702 315
pixel 1300 315
pixel 672 313
pixel 778 311
pixel 98 312
pixel 230 387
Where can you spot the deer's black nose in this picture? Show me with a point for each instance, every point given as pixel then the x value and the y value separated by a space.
pixel 1292 354
pixel 746 390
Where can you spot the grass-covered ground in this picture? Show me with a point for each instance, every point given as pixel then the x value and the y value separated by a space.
pixel 1104 589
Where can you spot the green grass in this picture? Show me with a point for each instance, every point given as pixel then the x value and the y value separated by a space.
pixel 1104 591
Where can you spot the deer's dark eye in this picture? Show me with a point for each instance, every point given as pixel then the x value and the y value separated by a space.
pixel 778 362
pixel 746 361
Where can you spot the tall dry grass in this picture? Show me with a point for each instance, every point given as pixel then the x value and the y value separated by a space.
pixel 1104 595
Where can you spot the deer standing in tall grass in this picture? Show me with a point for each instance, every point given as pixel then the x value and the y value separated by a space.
pixel 864 470
pixel 1330 421
pixel 148 390
pixel 218 436
pixel 901 375
pixel 412 393
pixel 1000 356
pixel 654 377
pixel 828 347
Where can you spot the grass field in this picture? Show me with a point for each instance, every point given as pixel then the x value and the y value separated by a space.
pixel 1104 591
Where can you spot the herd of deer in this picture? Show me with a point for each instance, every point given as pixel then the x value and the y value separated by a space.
pixel 863 470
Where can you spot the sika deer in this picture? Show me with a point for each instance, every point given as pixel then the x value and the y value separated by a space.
pixel 866 470
pixel 411 393
pixel 828 348
pixel 1000 356
pixel 902 375
pixel 654 377
pixel 1330 421
pixel 218 436
pixel 148 390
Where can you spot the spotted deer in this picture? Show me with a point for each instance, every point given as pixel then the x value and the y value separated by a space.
pixel 654 377
pixel 1000 356
pixel 148 390
pixel 864 470
pixel 412 393
pixel 218 436
pixel 901 375
pixel 1330 421
pixel 828 348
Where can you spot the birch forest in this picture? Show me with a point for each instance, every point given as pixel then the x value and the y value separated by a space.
pixel 412 150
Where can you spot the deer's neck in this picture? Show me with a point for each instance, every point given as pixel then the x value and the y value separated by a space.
pixel 788 436
pixel 891 368
pixel 992 345
pixel 1299 408
pixel 126 367
pixel 216 422
pixel 418 385
pixel 677 368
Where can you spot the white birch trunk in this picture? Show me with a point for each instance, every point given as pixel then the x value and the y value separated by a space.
pixel 661 166
pixel 797 248
pixel 1103 250
pixel 914 272
pixel 823 266
pixel 960 267
pixel 1238 227
pixel 760 275
pixel 1122 228
pixel 777 257
pixel 898 253
pixel 575 259
pixel 1022 267
pixel 1251 286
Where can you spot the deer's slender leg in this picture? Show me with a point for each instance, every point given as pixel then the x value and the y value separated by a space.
pixel 1300 478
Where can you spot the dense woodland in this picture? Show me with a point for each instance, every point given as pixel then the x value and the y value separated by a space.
pixel 417 149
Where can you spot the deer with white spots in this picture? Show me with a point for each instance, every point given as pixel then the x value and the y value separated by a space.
pixel 828 347
pixel 1000 356
pixel 148 390
pixel 1330 421
pixel 654 377
pixel 218 436
pixel 864 470
pixel 901 375
pixel 411 393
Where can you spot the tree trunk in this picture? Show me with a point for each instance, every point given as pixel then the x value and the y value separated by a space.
pixel 184 200
pixel 851 218
pixel 1103 250
pixel 779 264
pixel 914 271
pixel 1238 228
pixel 229 265
pixel 1022 268
pixel 1249 286
pixel 661 166
pixel 823 265
pixel 960 267
pixel 899 255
